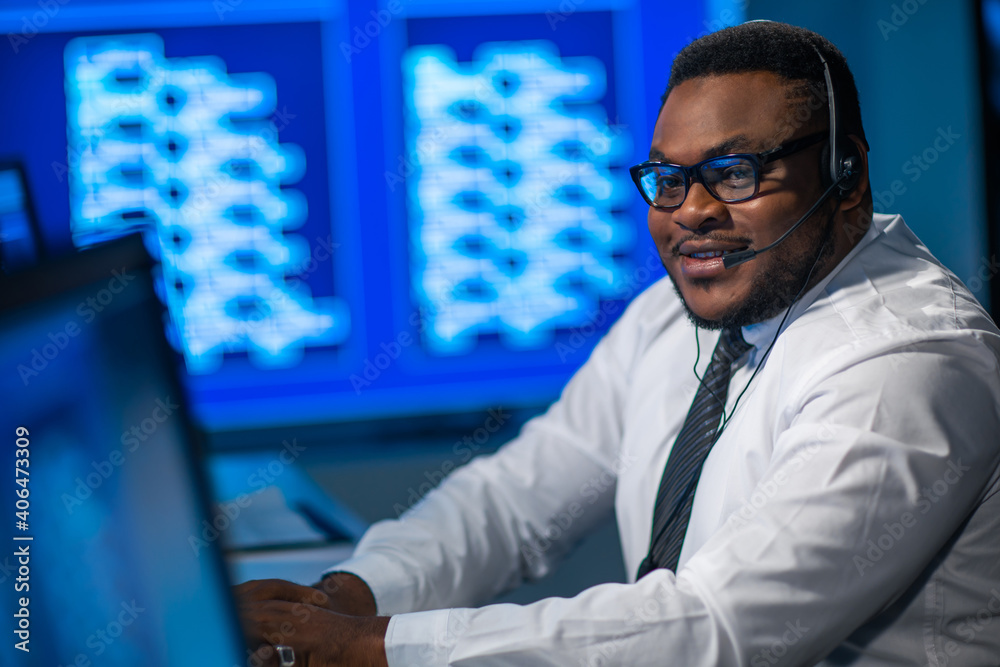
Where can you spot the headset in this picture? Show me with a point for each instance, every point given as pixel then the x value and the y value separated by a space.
pixel 841 153
pixel 842 173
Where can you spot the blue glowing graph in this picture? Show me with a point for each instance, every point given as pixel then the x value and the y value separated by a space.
pixel 189 152
pixel 512 204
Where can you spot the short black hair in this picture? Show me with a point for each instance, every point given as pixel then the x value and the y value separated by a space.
pixel 786 50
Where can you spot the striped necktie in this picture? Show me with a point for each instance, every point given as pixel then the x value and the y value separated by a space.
pixel 680 477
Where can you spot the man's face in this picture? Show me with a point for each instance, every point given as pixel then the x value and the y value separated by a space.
pixel 740 113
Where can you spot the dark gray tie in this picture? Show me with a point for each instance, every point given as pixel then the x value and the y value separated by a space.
pixel 680 477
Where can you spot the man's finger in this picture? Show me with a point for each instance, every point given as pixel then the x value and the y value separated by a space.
pixel 258 589
pixel 279 589
pixel 275 621
pixel 264 656
pixel 263 620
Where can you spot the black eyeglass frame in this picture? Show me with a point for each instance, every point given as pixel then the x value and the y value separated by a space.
pixel 694 171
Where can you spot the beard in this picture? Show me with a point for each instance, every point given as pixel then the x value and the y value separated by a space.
pixel 775 288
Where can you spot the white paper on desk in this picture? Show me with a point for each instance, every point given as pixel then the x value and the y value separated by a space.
pixel 264 520
pixel 303 566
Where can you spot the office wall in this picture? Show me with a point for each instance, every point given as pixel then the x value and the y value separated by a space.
pixel 915 62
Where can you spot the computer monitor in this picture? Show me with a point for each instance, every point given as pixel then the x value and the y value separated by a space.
pixel 989 72
pixel 20 238
pixel 108 558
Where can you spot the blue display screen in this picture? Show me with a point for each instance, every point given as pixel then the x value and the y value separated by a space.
pixel 112 571
pixel 361 210
pixel 989 16
pixel 19 243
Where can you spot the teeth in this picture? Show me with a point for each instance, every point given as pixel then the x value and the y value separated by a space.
pixel 714 253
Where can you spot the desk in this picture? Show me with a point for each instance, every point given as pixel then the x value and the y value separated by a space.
pixel 275 521
pixel 303 565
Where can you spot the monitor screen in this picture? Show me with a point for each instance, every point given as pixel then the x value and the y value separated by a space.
pixel 362 210
pixel 20 245
pixel 989 50
pixel 106 487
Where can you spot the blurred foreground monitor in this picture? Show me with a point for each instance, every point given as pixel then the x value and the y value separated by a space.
pixel 106 562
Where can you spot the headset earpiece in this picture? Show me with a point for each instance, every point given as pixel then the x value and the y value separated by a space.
pixel 850 166
pixel 844 166
pixel 847 170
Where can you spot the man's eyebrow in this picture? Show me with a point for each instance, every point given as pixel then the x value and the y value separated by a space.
pixel 738 143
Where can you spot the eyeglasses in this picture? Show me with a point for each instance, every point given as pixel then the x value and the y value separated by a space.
pixel 729 178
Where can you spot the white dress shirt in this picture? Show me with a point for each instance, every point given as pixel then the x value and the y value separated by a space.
pixel 848 514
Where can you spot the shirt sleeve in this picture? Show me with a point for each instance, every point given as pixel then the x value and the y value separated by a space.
pixel 510 516
pixel 874 469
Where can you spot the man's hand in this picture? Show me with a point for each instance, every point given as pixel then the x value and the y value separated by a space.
pixel 348 594
pixel 276 612
pixel 340 592
pixel 320 638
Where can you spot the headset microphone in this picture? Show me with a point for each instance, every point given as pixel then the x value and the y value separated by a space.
pixel 737 258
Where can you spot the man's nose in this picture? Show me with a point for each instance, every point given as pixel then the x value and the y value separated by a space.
pixel 698 208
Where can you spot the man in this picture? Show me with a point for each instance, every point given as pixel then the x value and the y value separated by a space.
pixel 831 491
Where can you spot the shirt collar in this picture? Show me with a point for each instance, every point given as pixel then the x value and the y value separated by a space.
pixel 761 334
